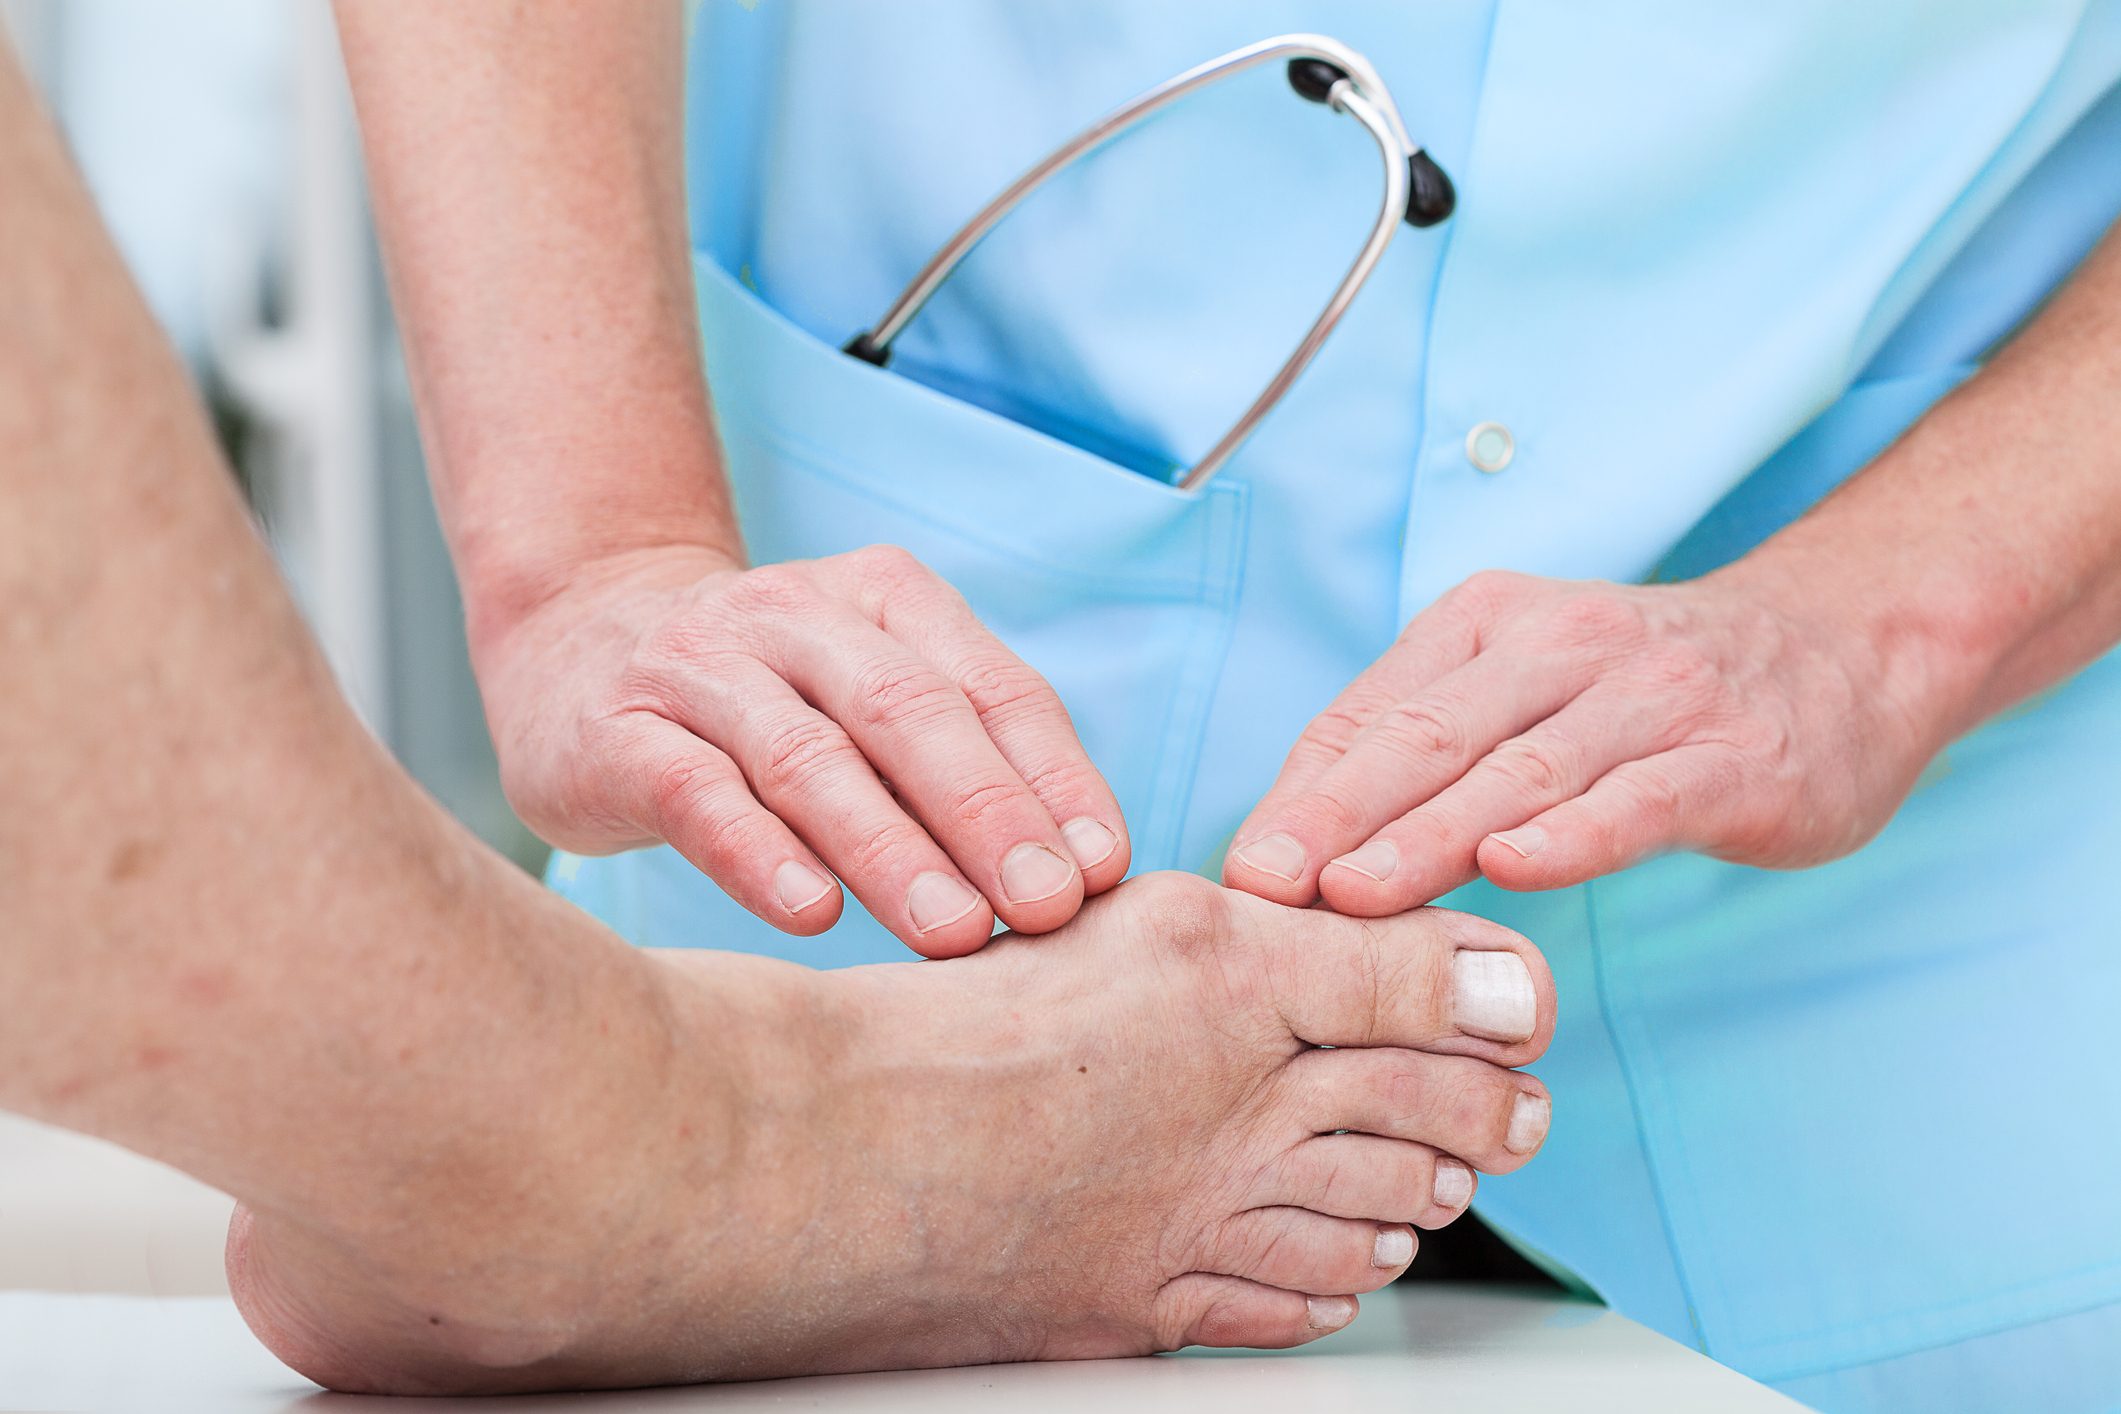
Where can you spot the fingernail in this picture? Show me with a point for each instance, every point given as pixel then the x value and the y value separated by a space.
pixel 937 900
pixel 1089 841
pixel 1274 854
pixel 1528 1123
pixel 798 886
pixel 1031 872
pixel 1377 859
pixel 1492 996
pixel 1454 1184
pixel 1329 1313
pixel 1394 1248
pixel 1525 839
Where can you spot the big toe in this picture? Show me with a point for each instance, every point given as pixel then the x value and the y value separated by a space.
pixel 1429 980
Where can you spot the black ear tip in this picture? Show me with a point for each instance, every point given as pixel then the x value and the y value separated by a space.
pixel 865 347
pixel 1430 195
pixel 1314 78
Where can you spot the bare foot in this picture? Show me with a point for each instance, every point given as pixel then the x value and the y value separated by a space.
pixel 1119 1138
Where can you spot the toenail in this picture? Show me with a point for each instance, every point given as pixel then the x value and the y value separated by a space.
pixel 1526 840
pixel 937 900
pixel 1375 860
pixel 1274 854
pixel 1528 1123
pixel 1492 996
pixel 1032 872
pixel 1454 1184
pixel 1394 1248
pixel 1090 841
pixel 1329 1313
pixel 798 886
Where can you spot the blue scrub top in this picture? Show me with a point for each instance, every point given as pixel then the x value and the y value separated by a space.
pixel 1707 261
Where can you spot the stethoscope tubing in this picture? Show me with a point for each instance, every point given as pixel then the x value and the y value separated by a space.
pixel 1356 89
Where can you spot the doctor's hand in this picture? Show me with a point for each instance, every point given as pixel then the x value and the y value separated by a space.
pixel 1542 733
pixel 778 726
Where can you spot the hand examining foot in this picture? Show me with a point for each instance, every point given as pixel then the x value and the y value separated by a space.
pixel 777 726
pixel 1117 1139
pixel 1542 733
pixel 752 719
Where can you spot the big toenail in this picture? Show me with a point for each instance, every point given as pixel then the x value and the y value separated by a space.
pixel 1394 1248
pixel 1329 1313
pixel 1278 855
pixel 1454 1184
pixel 1492 996
pixel 1032 872
pixel 936 901
pixel 1528 1123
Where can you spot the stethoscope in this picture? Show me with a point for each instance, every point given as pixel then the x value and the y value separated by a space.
pixel 1322 70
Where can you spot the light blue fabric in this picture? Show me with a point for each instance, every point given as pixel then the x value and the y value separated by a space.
pixel 1834 1126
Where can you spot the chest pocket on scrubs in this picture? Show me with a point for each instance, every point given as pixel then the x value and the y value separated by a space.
pixel 1119 589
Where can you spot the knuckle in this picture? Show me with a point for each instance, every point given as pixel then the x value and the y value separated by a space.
pixel 1653 795
pixel 1486 589
pixel 1340 723
pixel 1534 767
pixel 687 791
pixel 884 573
pixel 899 694
pixel 881 851
pixel 1425 728
pixel 990 807
pixel 1597 618
pixel 773 590
pixel 1003 687
pixel 1328 812
pixel 799 751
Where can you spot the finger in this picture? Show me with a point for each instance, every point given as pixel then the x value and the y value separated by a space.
pixel 1635 810
pixel 1023 717
pixel 1201 1308
pixel 692 796
pixel 1363 1176
pixel 1408 753
pixel 1444 636
pixel 1431 980
pixel 806 770
pixel 1433 848
pixel 1494 1119
pixel 1299 1250
pixel 919 731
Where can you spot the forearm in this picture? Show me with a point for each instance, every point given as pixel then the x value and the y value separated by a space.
pixel 235 937
pixel 525 163
pixel 1981 554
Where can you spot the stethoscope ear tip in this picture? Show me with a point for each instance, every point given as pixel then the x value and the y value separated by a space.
pixel 1430 195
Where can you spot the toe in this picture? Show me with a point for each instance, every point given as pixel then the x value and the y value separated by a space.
pixel 1430 980
pixel 1202 1308
pixel 1492 1118
pixel 1299 1250
pixel 1368 1177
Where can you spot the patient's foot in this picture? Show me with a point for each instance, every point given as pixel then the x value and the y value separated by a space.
pixel 1114 1139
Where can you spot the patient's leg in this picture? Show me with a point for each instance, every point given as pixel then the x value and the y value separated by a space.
pixel 1113 1139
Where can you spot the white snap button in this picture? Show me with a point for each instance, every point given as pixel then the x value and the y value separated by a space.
pixel 1489 446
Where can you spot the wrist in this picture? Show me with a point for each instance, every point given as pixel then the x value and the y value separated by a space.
pixel 1915 637
pixel 500 603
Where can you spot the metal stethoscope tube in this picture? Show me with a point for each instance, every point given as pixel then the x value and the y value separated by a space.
pixel 1321 69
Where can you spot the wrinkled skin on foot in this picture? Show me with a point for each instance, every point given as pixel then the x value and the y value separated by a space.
pixel 1120 1138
